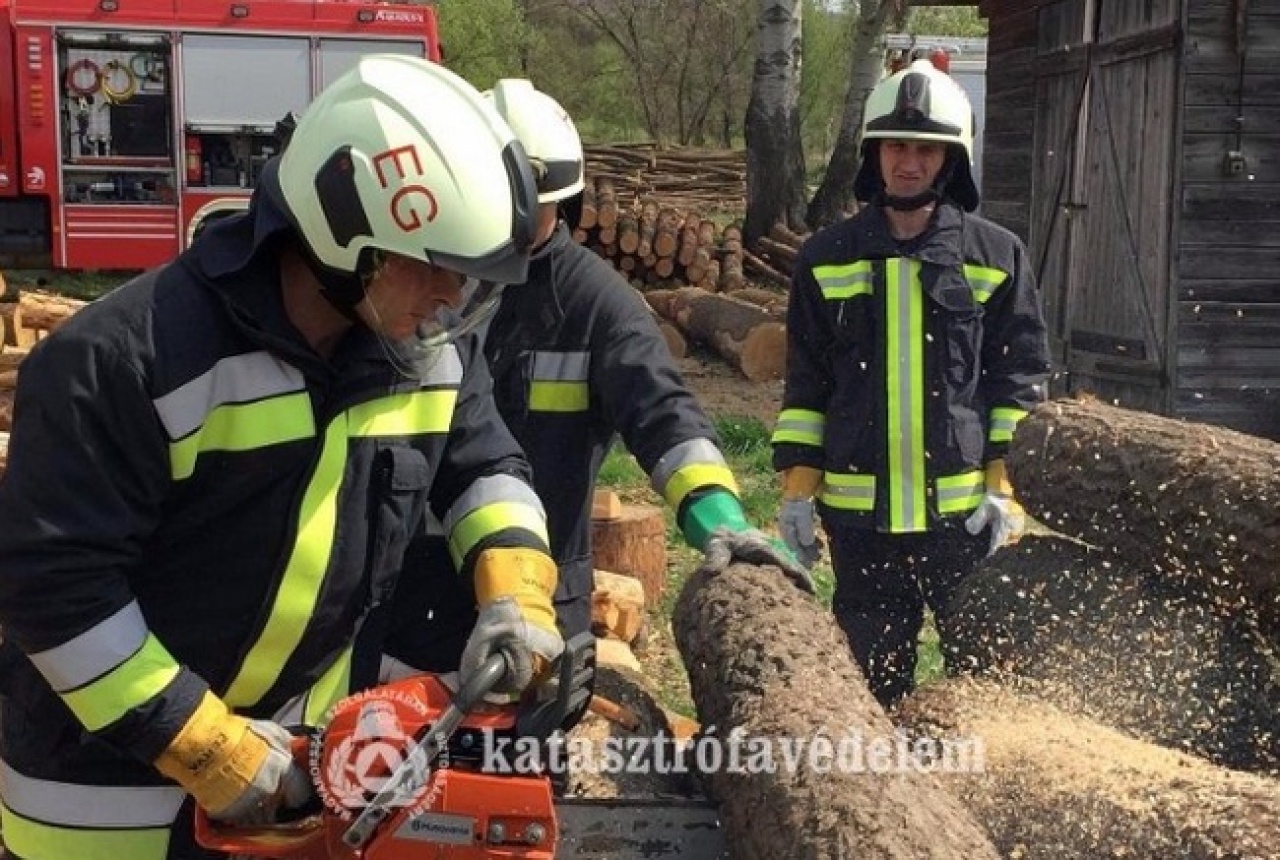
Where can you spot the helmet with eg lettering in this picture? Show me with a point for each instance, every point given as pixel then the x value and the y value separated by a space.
pixel 920 103
pixel 402 156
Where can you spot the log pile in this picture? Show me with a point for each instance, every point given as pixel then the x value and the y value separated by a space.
pixel 774 257
pixel 745 327
pixel 683 178
pixel 651 242
pixel 768 664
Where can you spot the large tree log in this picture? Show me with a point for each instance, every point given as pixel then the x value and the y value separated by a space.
pixel 768 660
pixel 1200 503
pixel 1057 787
pixel 1105 639
pixel 744 334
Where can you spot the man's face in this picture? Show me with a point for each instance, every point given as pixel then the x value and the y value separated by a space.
pixel 404 293
pixel 909 167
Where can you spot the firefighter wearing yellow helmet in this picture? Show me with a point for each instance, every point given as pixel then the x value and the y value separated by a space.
pixel 916 342
pixel 216 469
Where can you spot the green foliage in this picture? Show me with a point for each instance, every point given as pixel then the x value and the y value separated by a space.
pixel 483 39
pixel 963 21
pixel 828 34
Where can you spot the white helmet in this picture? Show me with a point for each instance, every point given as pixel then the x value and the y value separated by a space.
pixel 401 155
pixel 920 103
pixel 548 134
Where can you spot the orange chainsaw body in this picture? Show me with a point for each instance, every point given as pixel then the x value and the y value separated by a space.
pixel 460 813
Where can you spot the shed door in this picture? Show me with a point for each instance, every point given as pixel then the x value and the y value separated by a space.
pixel 1110 239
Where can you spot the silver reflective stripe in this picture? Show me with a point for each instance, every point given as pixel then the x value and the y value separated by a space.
pixel 693 452
pixel 95 652
pixel 238 379
pixel 446 370
pixel 562 366
pixel 93 806
pixel 487 491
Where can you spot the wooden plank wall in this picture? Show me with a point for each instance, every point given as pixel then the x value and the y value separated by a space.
pixel 1010 115
pixel 1228 290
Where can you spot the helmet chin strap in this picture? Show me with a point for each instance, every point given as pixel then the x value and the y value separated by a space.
pixel 912 203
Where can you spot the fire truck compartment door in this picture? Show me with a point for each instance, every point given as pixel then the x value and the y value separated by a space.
pixel 237 81
pixel 339 55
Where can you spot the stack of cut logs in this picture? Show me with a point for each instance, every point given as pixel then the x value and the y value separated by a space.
pixel 22 323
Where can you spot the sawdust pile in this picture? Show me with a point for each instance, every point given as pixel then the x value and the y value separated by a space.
pixel 1109 640
pixel 1061 787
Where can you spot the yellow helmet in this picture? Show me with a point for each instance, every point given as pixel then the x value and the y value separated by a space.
pixel 920 103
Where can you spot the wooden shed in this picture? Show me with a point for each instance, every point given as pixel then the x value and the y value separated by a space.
pixel 1135 146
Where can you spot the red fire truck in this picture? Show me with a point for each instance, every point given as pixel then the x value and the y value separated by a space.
pixel 125 124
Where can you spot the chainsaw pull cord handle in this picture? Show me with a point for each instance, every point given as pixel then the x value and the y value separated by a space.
pixel 408 779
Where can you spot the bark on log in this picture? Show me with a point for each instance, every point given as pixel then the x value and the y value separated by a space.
pixel 768 660
pixel 1102 638
pixel 1057 787
pixel 1199 503
pixel 606 203
pixel 742 333
pixel 6 410
pixel 634 544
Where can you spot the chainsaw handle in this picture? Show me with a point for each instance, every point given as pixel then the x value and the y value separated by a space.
pixel 485 680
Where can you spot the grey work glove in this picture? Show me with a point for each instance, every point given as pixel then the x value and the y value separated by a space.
pixel 278 784
pixel 529 649
pixel 795 524
pixel 1005 517
pixel 753 546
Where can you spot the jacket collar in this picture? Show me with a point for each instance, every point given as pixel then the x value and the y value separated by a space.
pixel 940 243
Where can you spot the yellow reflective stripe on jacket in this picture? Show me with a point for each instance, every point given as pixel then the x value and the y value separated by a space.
pixel 688 466
pixel 844 281
pixel 137 680
pixel 904 359
pixel 404 414
pixel 109 669
pixel 559 382
pixel 243 402
pixel 34 840
pixel 1004 420
pixel 800 427
pixel 490 505
pixel 327 690
pixel 244 427
pixel 959 493
pixel 299 590
pixel 48 820
pixel 983 280
pixel 848 492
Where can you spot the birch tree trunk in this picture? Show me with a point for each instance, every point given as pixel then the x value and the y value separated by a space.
pixel 775 153
pixel 834 196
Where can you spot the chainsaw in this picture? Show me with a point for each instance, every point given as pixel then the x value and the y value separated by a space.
pixel 404 771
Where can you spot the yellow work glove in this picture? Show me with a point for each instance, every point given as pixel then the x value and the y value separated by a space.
pixel 238 770
pixel 796 516
pixel 998 509
pixel 514 587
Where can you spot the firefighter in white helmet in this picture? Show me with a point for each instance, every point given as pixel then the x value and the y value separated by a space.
pixel 215 471
pixel 916 343
pixel 577 360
